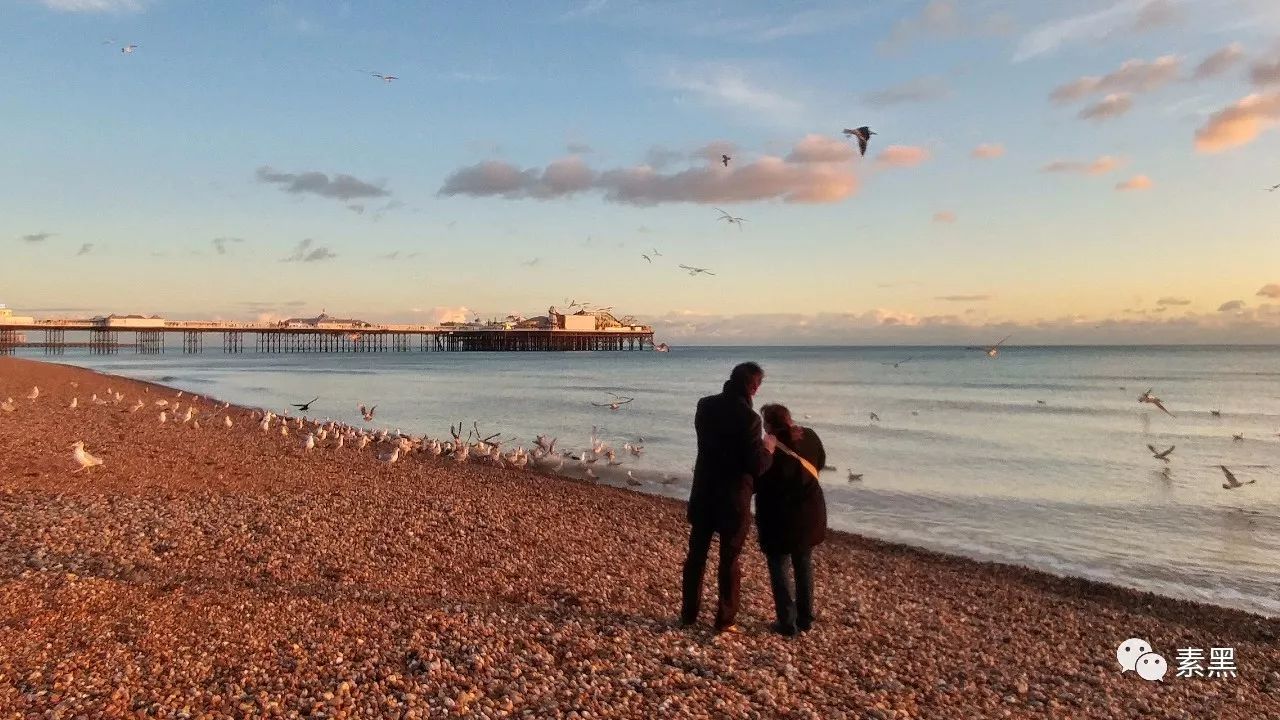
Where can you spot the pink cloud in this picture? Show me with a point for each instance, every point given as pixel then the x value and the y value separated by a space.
pixel 1219 62
pixel 1239 123
pixel 1101 166
pixel 944 216
pixel 987 151
pixel 1137 182
pixel 817 170
pixel 1133 76
pixel 1109 107
pixel 1270 290
pixel 902 156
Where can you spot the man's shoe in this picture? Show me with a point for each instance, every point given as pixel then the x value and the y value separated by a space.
pixel 729 629
pixel 687 623
pixel 786 630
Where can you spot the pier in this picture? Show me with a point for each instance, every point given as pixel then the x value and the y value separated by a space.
pixel 582 331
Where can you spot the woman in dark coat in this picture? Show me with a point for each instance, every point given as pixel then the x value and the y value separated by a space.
pixel 791 517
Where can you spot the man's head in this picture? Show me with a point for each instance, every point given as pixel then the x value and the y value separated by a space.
pixel 747 375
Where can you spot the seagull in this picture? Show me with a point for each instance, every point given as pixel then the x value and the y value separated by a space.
pixel 632 480
pixel 75 403
pixel 647 258
pixel 1160 454
pixel 367 414
pixel 390 457
pixel 875 417
pixel 854 477
pixel 863 134
pixel 1273 188
pixel 1232 483
pixel 162 403
pixel 7 405
pixel 900 362
pixel 1238 437
pixel 656 253
pixel 731 219
pixel 617 402
pixel 1216 413
pixel 137 406
pixel 226 421
pixel 128 49
pixel 85 459
pixel 35 393
pixel 310 442
pixel 384 78
pixel 695 271
pixel 306 406
pixel 992 351
pixel 1147 397
pixel 725 159
pixel 163 417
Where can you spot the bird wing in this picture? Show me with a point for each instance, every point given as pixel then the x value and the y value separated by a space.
pixel 722 212
pixel 686 267
pixel 1152 448
pixel 708 272
pixel 1160 405
pixel 1231 477
pixel 1006 337
pixel 862 146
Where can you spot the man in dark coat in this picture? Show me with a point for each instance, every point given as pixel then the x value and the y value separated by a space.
pixel 791 517
pixel 732 453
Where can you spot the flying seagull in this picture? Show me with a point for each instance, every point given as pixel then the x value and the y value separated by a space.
pixel 367 413
pixel 731 219
pixel 617 402
pixel 306 406
pixel 128 49
pixel 694 271
pixel 1232 483
pixel 725 159
pixel 900 362
pixel 646 257
pixel 1273 188
pixel 656 253
pixel 875 417
pixel 863 134
pixel 384 78
pixel 992 351
pixel 1147 397
pixel 1160 454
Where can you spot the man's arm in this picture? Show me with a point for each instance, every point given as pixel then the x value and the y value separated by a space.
pixel 759 451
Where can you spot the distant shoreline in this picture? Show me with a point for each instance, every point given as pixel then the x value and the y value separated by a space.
pixel 245 567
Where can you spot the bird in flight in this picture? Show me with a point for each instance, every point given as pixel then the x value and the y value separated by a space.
pixel 1147 397
pixel 992 351
pixel 731 219
pixel 656 253
pixel 367 413
pixel 1232 483
pixel 306 406
pixel 695 271
pixel 1160 454
pixel 384 78
pixel 128 49
pixel 725 159
pixel 1273 188
pixel 863 134
pixel 1216 413
pixel 875 417
pixel 900 362
pixel 1238 437
pixel 646 257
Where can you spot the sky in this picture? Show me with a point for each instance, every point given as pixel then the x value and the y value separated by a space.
pixel 1065 172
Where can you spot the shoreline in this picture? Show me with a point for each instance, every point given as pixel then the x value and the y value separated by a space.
pixel 425 569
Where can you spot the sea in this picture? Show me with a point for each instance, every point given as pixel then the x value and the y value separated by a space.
pixel 1037 457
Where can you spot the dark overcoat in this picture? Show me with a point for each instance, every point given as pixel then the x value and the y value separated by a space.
pixel 791 511
pixel 731 455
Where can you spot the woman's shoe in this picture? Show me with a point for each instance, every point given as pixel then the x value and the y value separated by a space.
pixel 786 630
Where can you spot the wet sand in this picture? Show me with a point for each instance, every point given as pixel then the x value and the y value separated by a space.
pixel 219 572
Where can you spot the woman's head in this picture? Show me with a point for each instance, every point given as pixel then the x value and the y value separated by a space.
pixel 777 420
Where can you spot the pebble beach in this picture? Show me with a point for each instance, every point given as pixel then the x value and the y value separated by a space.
pixel 223 572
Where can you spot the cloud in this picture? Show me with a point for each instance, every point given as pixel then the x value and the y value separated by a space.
pixel 1133 76
pixel 944 216
pixel 1118 17
pixel 578 148
pixel 306 251
pixel 963 298
pixel 220 243
pixel 1270 290
pixel 912 91
pixel 38 237
pixel 1173 301
pixel 1231 306
pixel 661 158
pixel 937 19
pixel 986 151
pixel 712 151
pixel 339 187
pixel 1219 62
pixel 396 255
pixel 93 6
pixel 1157 14
pixel 1265 71
pixel 1109 107
pixel 85 249
pixel 1239 123
pixel 902 156
pixel 816 171
pixel 728 86
pixel 444 313
pixel 1101 166
pixel 1137 182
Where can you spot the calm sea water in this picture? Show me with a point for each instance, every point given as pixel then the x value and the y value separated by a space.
pixel 964 458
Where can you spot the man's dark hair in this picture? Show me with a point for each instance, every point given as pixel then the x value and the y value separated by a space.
pixel 743 372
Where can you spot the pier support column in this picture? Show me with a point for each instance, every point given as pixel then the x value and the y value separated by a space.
pixel 8 341
pixel 104 342
pixel 55 341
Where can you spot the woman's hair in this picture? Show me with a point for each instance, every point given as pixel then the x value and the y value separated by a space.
pixel 777 419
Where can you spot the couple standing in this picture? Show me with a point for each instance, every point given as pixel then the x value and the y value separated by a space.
pixel 780 466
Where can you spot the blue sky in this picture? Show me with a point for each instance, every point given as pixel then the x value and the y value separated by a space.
pixel 531 152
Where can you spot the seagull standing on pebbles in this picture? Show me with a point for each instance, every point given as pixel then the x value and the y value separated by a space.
pixel 136 406
pixel 7 405
pixel 75 403
pixel 390 457
pixel 226 421
pixel 85 460
pixel 35 393
pixel 310 443
pixel 163 417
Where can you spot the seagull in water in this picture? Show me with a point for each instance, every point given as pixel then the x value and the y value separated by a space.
pixel 1238 437
pixel 1232 483
pixel 1147 397
pixel 875 417
pixel 1160 454
pixel 863 134
pixel 695 271
pixel 85 459
pixel 731 219
pixel 306 406
pixel 900 362
pixel 854 477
